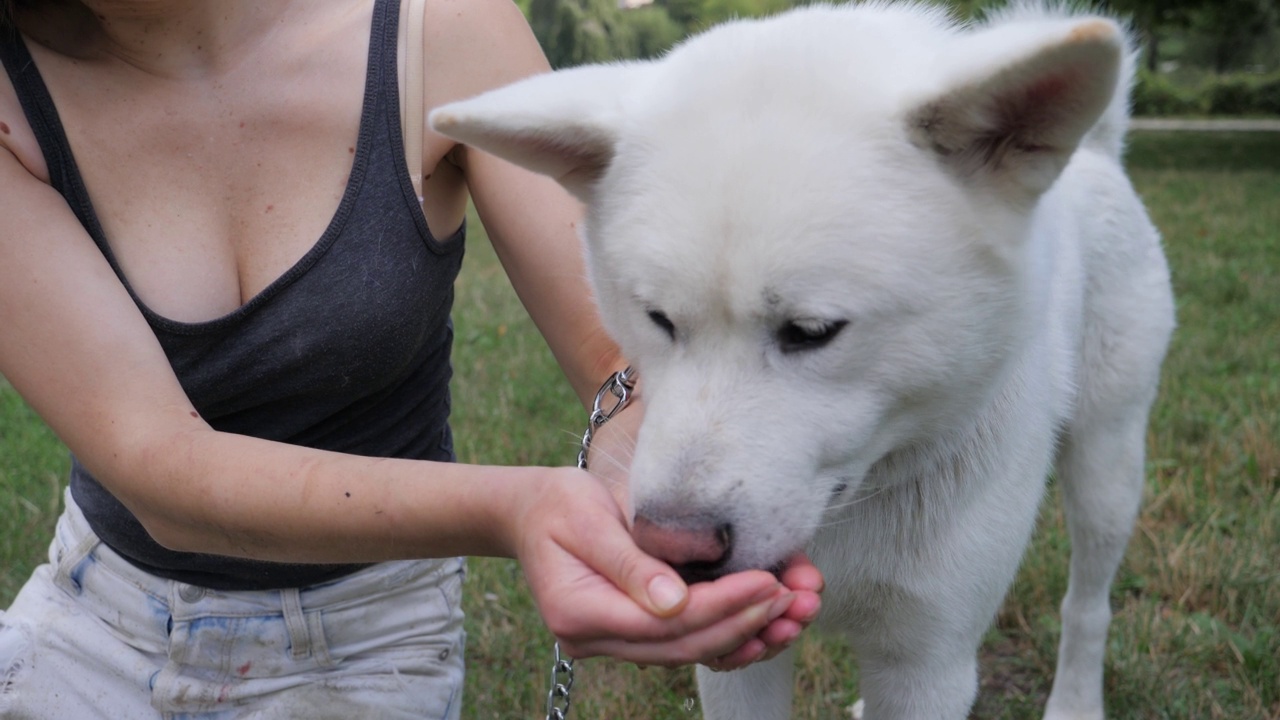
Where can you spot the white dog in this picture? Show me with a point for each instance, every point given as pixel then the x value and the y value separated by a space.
pixel 879 272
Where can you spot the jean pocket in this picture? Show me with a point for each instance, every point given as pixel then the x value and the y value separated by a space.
pixel 422 615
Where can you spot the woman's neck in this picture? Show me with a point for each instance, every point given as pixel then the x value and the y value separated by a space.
pixel 167 38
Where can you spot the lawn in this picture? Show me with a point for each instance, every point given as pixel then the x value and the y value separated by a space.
pixel 1197 601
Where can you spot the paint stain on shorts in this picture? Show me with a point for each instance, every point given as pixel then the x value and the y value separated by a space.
pixel 15 656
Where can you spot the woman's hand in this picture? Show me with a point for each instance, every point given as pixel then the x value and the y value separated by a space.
pixel 801 577
pixel 601 595
pixel 610 461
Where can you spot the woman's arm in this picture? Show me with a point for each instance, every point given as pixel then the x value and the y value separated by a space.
pixel 77 348
pixel 531 221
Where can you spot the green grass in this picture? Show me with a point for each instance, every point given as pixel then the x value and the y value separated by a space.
pixel 1197 602
pixel 33 471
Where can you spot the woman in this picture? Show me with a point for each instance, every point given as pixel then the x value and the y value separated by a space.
pixel 219 290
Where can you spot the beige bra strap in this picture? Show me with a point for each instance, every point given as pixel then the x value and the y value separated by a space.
pixel 412 74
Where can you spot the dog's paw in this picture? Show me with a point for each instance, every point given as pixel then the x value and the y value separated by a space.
pixel 855 710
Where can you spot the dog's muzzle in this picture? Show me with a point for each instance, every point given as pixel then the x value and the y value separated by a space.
pixel 698 549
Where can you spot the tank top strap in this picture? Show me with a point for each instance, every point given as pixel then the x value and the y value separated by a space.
pixel 42 115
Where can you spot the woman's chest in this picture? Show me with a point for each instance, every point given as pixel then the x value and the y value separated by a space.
pixel 206 201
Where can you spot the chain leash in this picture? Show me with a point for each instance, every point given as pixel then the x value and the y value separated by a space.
pixel 613 396
pixel 561 684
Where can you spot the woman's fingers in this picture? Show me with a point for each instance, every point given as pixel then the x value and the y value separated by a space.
pixel 600 594
pixel 731 641
pixel 596 609
pixel 592 580
pixel 801 574
pixel 803 578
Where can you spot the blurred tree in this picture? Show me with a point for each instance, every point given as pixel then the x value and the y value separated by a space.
pixel 1226 34
pixel 573 32
pixel 715 11
pixel 1152 19
pixel 971 8
pixel 688 13
pixel 1220 34
pixel 653 29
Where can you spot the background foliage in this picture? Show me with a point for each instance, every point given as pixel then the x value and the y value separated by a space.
pixel 1200 57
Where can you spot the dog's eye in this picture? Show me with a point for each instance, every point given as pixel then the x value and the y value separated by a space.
pixel 799 335
pixel 661 320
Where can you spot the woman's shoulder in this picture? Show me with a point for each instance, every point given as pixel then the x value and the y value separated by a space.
pixel 53 31
pixel 475 45
pixel 16 136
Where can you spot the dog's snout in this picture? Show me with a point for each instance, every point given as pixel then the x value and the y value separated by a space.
pixel 698 551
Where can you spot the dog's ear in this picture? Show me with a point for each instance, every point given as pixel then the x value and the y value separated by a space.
pixel 1019 113
pixel 561 124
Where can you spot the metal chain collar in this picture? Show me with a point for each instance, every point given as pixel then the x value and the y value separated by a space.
pixel 612 397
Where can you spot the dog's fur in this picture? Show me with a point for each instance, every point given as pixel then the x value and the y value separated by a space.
pixel 879 271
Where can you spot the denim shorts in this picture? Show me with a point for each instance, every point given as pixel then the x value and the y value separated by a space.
pixel 91 636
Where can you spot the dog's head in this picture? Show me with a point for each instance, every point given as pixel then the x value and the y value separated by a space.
pixel 810 236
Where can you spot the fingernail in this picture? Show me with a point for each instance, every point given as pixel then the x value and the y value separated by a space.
pixel 765 593
pixel 813 614
pixel 791 638
pixel 780 606
pixel 665 593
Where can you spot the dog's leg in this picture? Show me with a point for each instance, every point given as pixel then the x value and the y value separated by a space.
pixel 1100 470
pixel 759 692
pixel 939 687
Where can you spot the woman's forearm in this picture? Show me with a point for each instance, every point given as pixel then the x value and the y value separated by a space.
pixel 220 493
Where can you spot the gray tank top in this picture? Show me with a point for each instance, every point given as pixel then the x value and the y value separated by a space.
pixel 347 351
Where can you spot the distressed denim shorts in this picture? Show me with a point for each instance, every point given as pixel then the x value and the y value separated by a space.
pixel 91 636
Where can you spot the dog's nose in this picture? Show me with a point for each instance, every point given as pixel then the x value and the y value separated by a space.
pixel 698 552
